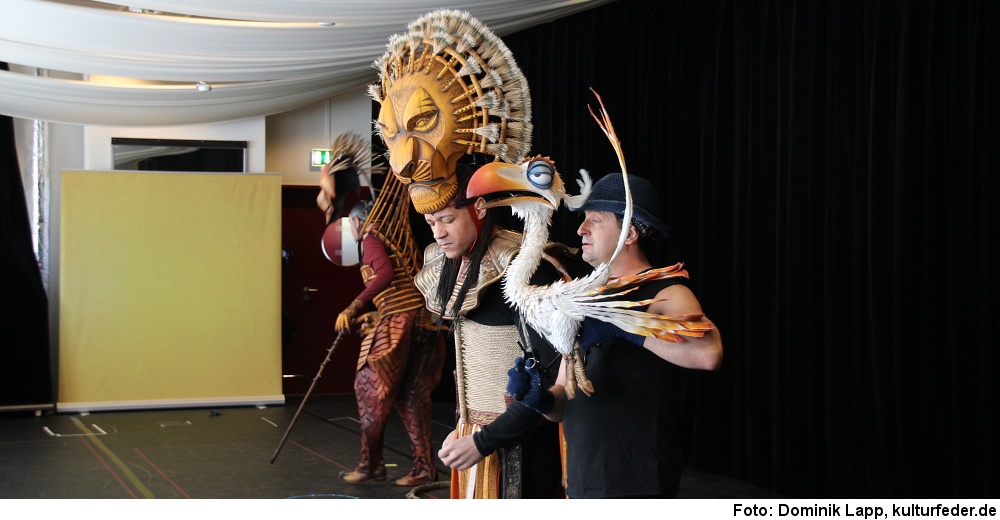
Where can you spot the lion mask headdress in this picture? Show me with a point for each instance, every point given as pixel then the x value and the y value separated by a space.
pixel 449 87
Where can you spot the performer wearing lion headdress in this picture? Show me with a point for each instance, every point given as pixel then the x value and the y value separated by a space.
pixel 450 94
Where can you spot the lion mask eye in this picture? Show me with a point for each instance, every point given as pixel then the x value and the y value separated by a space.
pixel 421 113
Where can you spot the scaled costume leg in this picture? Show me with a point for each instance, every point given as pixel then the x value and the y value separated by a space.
pixel 414 402
pixel 373 411
pixel 385 352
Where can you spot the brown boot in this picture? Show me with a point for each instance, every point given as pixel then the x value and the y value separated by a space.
pixel 415 479
pixel 362 473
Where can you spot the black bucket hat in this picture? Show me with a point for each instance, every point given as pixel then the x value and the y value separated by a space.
pixel 608 194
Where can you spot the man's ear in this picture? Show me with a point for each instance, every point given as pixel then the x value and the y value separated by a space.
pixel 633 235
pixel 480 213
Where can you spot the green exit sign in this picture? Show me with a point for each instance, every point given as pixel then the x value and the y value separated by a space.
pixel 321 156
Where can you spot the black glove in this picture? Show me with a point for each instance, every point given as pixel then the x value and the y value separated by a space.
pixel 593 331
pixel 524 384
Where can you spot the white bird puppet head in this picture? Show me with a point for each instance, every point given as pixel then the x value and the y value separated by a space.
pixel 534 183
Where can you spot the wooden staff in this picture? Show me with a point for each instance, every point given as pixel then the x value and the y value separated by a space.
pixel 308 392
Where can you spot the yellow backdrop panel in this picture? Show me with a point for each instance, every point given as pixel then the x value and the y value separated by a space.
pixel 170 290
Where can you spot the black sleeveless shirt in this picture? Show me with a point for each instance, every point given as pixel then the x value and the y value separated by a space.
pixel 623 440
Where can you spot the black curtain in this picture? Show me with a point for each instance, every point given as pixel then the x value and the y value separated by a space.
pixel 25 373
pixel 830 174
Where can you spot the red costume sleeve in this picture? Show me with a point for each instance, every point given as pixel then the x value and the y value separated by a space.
pixel 375 255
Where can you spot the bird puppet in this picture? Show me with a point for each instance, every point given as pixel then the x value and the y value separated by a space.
pixel 534 190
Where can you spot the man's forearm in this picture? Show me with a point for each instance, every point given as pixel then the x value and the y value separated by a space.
pixel 559 397
pixel 506 429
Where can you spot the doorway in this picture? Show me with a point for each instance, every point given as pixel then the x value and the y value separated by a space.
pixel 313 292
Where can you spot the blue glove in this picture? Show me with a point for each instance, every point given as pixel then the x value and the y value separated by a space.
pixel 524 384
pixel 518 381
pixel 593 331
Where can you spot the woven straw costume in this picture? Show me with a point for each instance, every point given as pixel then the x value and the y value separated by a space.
pixel 402 354
pixel 449 91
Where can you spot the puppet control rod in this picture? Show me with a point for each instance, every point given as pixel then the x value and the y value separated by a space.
pixel 302 405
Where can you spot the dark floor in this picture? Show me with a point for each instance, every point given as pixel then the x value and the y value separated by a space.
pixel 224 453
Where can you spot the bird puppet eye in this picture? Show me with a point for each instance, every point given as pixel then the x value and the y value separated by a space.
pixel 540 174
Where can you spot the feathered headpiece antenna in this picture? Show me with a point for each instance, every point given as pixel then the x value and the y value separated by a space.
pixel 609 130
